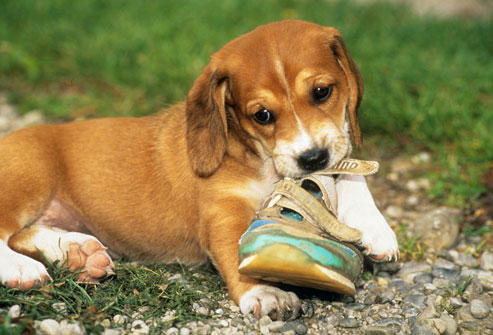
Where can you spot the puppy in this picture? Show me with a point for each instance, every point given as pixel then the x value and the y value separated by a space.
pixel 183 185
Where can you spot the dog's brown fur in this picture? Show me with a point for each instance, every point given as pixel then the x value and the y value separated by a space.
pixel 183 184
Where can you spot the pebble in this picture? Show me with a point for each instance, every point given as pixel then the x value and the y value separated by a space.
pixel 429 312
pixel 486 261
pixel 416 300
pixel 48 327
pixel 467 260
pixel 118 319
pixel 394 212
pixel 438 228
pixel 297 326
pixel 276 326
pixel 173 331
pixel 486 279
pixel 69 328
pixel 14 311
pixel 140 327
pixel 412 269
pixel 379 330
pixel 479 309
pixel 349 323
pixel 448 274
pixel 110 331
pixel 185 331
pixel 450 324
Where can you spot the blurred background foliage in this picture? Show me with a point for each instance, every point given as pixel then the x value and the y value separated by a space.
pixel 428 81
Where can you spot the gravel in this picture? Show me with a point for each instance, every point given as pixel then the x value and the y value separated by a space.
pixel 445 291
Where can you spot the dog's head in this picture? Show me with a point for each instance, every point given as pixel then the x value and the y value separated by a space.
pixel 289 89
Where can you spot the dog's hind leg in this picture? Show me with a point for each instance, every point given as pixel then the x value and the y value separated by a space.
pixel 80 252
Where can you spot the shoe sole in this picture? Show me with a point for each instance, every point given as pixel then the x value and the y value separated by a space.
pixel 288 264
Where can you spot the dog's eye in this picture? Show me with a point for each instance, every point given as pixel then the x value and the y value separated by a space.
pixel 263 117
pixel 321 94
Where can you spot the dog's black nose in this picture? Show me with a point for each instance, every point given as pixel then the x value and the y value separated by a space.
pixel 314 160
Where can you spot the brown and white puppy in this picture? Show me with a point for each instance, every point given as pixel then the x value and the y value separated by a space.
pixel 183 185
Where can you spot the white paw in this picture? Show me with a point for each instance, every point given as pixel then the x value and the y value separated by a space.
pixel 19 271
pixel 83 253
pixel 378 238
pixel 268 300
pixel 357 209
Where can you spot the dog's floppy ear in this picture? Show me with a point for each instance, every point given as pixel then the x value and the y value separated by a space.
pixel 355 82
pixel 207 128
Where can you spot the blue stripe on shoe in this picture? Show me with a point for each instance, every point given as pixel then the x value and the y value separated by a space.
pixel 319 254
pixel 259 223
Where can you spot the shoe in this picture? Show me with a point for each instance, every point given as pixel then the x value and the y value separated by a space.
pixel 296 238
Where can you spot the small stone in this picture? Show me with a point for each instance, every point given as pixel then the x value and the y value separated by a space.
pixel 67 328
pixel 447 264
pixel 470 325
pixel 423 278
pixel 416 300
pixel 118 320
pixel 412 200
pixel 395 212
pixel 486 261
pixel 185 331
pixel 175 277
pixel 486 279
pixel 264 321
pixel 429 288
pixel 450 275
pixel 464 314
pixel 333 320
pixel 456 302
pixel 223 323
pixel 479 309
pixel 349 323
pixel 60 307
pixel 355 306
pixel 382 281
pixel 369 299
pixel 109 331
pixel 379 330
pixel 467 260
pixel 450 325
pixel 412 269
pixel 106 323
pixel 473 290
pixel 219 311
pixel 438 228
pixel 442 283
pixel 14 311
pixel 234 309
pixel 264 330
pixel 139 327
pixel 429 312
pixel 297 326
pixel 276 326
pixel 425 327
pixel 172 331
pixel 49 327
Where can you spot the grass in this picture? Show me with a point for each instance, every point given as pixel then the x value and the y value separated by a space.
pixel 152 290
pixel 428 83
pixel 410 247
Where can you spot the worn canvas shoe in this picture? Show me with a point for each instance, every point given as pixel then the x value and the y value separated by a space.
pixel 296 238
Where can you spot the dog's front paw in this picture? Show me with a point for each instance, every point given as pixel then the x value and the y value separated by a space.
pixel 22 272
pixel 268 300
pixel 378 239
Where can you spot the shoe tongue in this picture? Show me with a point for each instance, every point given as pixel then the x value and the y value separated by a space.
pixel 322 187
